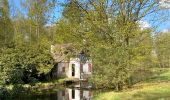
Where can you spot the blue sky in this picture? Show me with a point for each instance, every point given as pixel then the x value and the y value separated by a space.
pixel 16 5
pixel 161 26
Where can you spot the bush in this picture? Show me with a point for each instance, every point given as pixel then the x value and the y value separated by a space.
pixel 24 64
pixel 18 90
pixel 4 93
pixel 15 76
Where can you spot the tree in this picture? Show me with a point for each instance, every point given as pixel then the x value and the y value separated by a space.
pixel 6 27
pixel 38 15
pixel 25 64
pixel 162 49
pixel 109 32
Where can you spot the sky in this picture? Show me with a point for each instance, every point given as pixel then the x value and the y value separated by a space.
pixel 16 5
pixel 160 25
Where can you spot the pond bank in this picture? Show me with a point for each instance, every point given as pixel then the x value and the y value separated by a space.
pixel 151 89
pixel 144 91
pixel 34 88
pixel 39 88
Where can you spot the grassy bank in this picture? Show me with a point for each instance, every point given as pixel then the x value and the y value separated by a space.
pixel 148 91
pixel 156 88
pixel 18 90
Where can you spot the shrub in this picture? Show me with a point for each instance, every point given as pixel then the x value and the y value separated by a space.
pixel 18 90
pixel 24 64
pixel 4 93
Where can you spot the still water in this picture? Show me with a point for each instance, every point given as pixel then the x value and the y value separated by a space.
pixel 66 94
pixel 77 91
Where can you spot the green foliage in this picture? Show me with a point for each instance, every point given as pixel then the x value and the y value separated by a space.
pixel 39 15
pixel 156 88
pixel 24 64
pixel 4 93
pixel 107 31
pixel 6 26
pixel 25 51
pixel 17 90
pixel 162 47
pixel 110 35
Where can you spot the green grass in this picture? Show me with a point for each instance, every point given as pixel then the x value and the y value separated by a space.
pixel 163 76
pixel 159 91
pixel 156 88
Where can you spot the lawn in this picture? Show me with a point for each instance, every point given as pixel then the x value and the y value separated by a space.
pixel 156 88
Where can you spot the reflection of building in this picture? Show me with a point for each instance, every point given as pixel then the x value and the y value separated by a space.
pixel 71 94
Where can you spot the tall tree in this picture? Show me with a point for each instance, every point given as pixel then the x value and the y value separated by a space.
pixel 109 32
pixel 38 13
pixel 6 27
pixel 162 49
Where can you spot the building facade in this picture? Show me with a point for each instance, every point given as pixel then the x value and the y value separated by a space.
pixel 74 68
pixel 79 66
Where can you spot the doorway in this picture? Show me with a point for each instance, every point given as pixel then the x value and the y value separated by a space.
pixel 73 69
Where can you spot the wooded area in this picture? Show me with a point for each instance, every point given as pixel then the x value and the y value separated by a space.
pixel 108 31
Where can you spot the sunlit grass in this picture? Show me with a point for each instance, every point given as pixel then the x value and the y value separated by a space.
pixel 157 88
pixel 163 76
pixel 150 91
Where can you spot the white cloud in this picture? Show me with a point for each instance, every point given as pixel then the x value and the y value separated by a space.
pixel 164 4
pixel 144 25
pixel 165 30
pixel 50 25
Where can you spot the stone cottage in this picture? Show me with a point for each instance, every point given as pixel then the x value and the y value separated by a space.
pixel 78 67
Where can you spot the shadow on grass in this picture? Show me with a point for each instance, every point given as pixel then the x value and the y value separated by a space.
pixel 165 78
pixel 159 78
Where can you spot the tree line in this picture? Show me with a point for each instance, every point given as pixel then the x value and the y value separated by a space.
pixel 107 31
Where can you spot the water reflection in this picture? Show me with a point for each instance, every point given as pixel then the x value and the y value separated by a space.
pixel 73 94
pixel 67 94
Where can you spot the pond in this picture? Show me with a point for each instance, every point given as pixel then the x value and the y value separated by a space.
pixel 65 94
pixel 76 91
pixel 83 91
